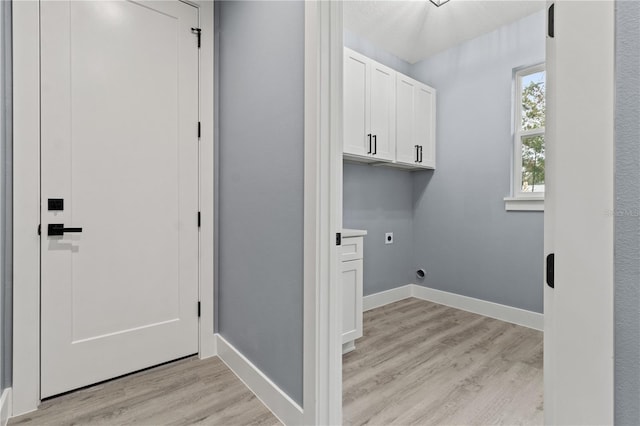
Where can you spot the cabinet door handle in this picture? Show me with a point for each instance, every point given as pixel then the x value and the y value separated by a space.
pixel 375 144
pixel 417 155
pixel 369 136
pixel 421 153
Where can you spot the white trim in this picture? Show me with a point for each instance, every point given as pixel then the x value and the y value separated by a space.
pixel 533 204
pixel 5 406
pixel 207 187
pixel 26 206
pixel 274 398
pixel 579 344
pixel 26 199
pixel 477 306
pixel 386 297
pixel 322 370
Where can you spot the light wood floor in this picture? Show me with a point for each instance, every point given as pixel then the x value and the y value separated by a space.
pixel 420 363
pixel 185 392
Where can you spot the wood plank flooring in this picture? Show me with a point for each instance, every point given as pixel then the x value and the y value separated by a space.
pixel 420 363
pixel 186 392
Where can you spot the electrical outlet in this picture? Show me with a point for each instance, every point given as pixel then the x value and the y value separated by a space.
pixel 388 238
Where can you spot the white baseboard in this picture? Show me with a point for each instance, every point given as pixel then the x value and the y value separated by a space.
pixel 382 298
pixel 280 404
pixel 5 406
pixel 477 306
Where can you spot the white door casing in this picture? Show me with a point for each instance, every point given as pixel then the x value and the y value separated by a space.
pixel 119 144
pixel 578 311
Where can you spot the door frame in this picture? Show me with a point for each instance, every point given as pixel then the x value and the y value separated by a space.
pixel 329 389
pixel 588 36
pixel 26 198
pixel 322 364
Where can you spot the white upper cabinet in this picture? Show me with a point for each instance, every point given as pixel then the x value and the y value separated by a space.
pixel 388 117
pixel 356 104
pixel 383 111
pixel 415 123
pixel 369 108
pixel 407 151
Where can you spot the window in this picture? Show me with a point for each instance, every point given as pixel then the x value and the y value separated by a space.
pixel 529 154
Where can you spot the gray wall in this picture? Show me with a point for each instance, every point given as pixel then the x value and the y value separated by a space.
pixel 380 200
pixel 627 219
pixel 365 47
pixel 464 239
pixel 261 136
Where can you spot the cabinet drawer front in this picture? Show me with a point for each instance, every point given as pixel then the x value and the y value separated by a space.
pixel 351 249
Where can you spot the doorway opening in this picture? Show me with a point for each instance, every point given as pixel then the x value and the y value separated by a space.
pixel 452 245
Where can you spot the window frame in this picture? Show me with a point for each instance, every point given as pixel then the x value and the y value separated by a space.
pixel 519 200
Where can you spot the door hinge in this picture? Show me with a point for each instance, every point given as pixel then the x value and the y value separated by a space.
pixel 39 229
pixel 551 270
pixel 198 33
pixel 551 21
pixel 199 219
pixel 199 310
pixel 199 130
pixel 338 238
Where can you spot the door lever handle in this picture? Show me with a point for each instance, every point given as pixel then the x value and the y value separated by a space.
pixel 57 229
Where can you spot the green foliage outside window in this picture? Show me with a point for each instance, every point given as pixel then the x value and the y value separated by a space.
pixel 533 117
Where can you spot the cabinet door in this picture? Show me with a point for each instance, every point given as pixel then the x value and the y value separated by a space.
pixel 406 151
pixel 351 300
pixel 356 103
pixel 383 111
pixel 425 124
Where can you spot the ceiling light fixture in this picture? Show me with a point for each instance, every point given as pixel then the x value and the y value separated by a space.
pixel 439 3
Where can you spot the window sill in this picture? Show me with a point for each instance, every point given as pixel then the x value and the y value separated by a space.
pixel 524 204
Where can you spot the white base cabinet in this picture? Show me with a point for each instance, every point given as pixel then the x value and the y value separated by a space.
pixel 352 265
pixel 351 300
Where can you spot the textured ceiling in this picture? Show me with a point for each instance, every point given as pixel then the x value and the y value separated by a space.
pixel 415 30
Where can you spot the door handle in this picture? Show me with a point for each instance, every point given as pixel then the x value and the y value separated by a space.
pixel 551 270
pixel 57 229
pixel 420 153
pixel 369 136
pixel 375 144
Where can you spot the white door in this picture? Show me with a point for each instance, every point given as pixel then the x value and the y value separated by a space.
pixel 120 147
pixel 383 111
pixel 407 150
pixel 357 115
pixel 578 310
